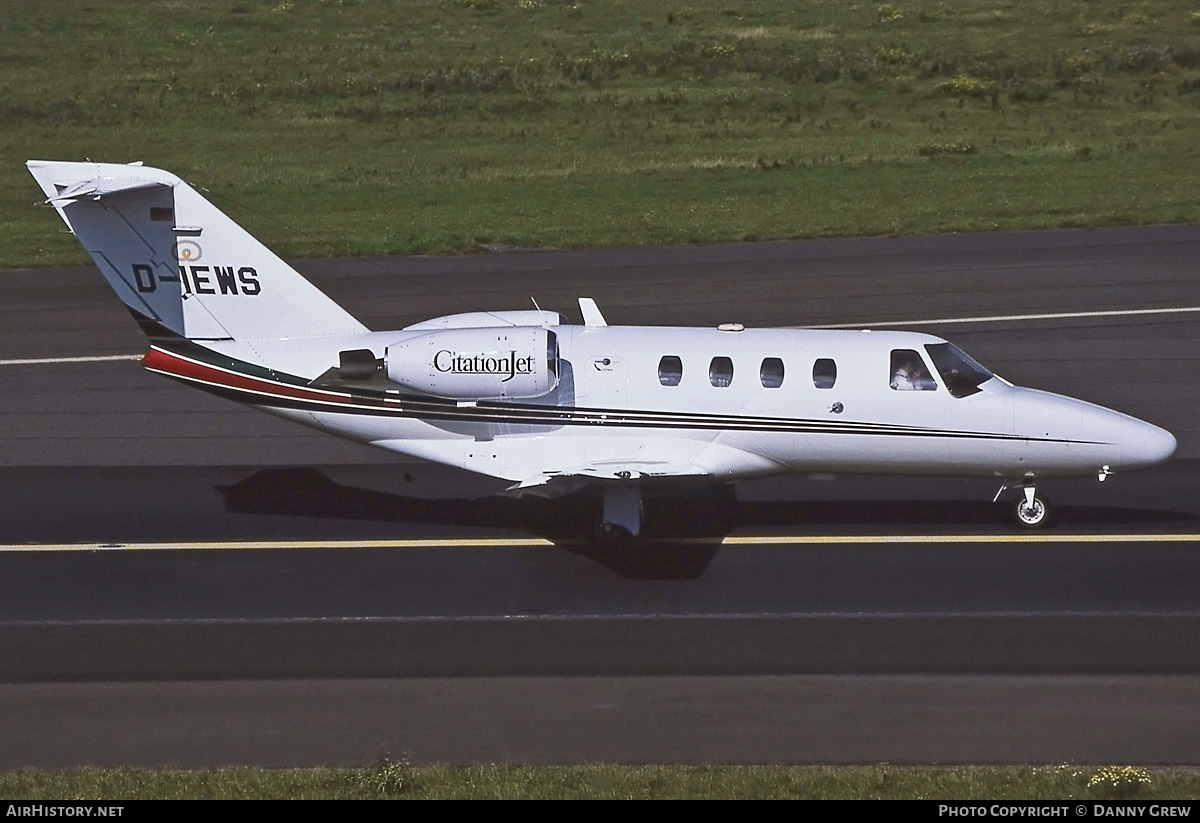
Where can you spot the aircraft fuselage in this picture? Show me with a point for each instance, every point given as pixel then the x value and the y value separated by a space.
pixel 665 401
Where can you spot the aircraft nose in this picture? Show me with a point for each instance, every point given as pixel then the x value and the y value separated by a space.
pixel 1144 444
pixel 1154 445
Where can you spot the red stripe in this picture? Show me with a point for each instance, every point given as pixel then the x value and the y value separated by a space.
pixel 171 364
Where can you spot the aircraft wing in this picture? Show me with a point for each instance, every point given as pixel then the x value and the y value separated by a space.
pixel 554 467
pixel 711 461
pixel 562 481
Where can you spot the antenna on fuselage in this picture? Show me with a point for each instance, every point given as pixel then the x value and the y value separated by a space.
pixel 545 322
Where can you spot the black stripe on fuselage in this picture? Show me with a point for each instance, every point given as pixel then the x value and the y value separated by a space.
pixel 499 414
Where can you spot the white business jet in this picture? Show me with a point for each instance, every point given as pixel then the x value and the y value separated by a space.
pixel 555 408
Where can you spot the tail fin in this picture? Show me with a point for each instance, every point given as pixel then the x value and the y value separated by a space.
pixel 179 263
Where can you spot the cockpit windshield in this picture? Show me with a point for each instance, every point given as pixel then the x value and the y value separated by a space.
pixel 962 375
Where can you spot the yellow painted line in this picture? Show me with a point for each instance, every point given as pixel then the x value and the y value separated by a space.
pixel 40 361
pixel 964 538
pixel 522 542
pixel 277 544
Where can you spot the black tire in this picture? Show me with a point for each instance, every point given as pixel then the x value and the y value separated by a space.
pixel 1032 517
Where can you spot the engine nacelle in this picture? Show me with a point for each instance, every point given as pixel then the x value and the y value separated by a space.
pixel 477 364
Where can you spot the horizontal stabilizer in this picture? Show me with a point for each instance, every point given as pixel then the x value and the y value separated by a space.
pixel 101 188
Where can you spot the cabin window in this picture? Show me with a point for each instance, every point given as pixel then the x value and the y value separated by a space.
pixel 961 374
pixel 670 370
pixel 909 372
pixel 720 372
pixel 771 373
pixel 824 373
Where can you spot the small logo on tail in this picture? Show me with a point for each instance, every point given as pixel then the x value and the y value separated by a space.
pixel 188 251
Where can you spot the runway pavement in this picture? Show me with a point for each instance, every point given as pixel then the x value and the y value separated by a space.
pixel 883 619
pixel 783 719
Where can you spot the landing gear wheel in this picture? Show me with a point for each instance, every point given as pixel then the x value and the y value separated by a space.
pixel 1031 513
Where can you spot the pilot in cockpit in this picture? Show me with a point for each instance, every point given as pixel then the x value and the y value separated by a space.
pixel 910 375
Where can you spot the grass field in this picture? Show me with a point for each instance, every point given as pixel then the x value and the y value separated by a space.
pixel 602 781
pixel 339 127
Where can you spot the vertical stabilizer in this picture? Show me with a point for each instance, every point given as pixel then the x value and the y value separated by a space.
pixel 178 262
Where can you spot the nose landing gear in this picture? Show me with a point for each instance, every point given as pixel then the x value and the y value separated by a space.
pixel 1031 511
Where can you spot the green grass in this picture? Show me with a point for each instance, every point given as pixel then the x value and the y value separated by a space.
pixel 341 127
pixel 609 781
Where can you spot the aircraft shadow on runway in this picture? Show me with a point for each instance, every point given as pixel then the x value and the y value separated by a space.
pixel 681 536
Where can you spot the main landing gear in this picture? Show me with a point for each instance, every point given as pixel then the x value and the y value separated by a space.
pixel 1031 511
pixel 622 516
